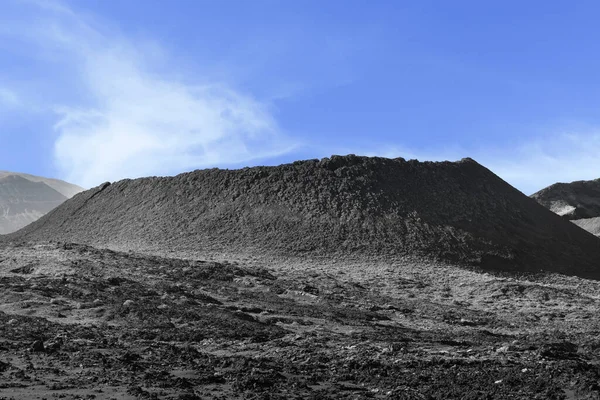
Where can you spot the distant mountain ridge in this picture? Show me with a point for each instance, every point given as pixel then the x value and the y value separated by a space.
pixel 65 188
pixel 578 201
pixel 25 198
pixel 575 200
pixel 341 206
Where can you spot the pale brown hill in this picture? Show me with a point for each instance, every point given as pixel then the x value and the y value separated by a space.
pixel 23 201
pixel 65 188
pixel 375 207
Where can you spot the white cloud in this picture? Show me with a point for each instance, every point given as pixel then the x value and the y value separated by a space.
pixel 139 121
pixel 530 165
pixel 132 118
pixel 541 162
pixel 146 125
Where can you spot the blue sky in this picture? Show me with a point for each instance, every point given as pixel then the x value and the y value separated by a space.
pixel 97 90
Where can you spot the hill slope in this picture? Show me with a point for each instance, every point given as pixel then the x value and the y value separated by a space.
pixel 459 212
pixel 65 188
pixel 575 200
pixel 23 201
pixel 591 225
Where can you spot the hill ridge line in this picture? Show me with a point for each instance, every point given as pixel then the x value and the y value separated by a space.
pixel 458 212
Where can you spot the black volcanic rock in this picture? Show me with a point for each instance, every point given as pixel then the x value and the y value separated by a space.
pixel 23 201
pixel 374 207
pixel 575 200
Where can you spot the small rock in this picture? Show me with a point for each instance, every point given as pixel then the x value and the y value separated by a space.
pixel 128 303
pixel 37 346
pixel 243 316
pixel 12 321
pixel 54 345
pixel 502 349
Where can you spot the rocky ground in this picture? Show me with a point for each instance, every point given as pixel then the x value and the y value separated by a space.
pixel 81 323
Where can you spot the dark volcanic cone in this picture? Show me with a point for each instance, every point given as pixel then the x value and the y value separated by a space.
pixel 575 200
pixel 458 212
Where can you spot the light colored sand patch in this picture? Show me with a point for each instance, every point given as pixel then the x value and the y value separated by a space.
pixel 591 225
pixel 561 208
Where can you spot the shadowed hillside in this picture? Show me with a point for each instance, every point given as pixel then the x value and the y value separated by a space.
pixel 451 211
pixel 575 200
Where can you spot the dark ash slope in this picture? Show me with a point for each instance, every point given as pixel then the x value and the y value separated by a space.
pixel 575 200
pixel 459 212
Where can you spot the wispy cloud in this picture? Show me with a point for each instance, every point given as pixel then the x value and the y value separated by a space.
pixel 530 165
pixel 8 98
pixel 138 120
pixel 540 162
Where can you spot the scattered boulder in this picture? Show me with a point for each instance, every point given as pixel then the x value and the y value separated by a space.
pixel 54 345
pixel 37 346
pixel 560 350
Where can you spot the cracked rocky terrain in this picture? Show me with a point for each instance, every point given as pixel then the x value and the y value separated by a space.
pixel 354 278
pixel 78 322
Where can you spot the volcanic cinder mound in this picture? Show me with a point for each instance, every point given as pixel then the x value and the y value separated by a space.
pixel 575 200
pixel 24 200
pixel 374 207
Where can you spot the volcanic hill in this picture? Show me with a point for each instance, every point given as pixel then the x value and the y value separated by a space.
pixel 25 198
pixel 65 188
pixel 575 200
pixel 458 212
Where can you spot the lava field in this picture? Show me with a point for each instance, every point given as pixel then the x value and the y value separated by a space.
pixel 84 323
